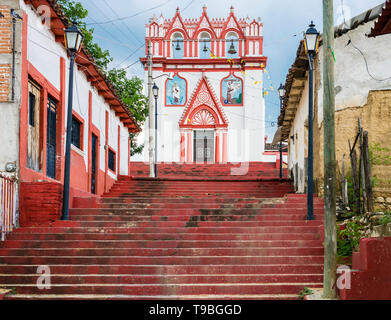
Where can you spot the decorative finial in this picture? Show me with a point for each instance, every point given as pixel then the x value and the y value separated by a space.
pixel 204 8
pixel 177 9
pixel 232 9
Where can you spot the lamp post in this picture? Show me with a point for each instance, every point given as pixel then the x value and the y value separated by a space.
pixel 155 90
pixel 281 94
pixel 73 41
pixel 311 42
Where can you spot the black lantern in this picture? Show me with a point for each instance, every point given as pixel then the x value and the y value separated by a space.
pixel 311 39
pixel 73 38
pixel 232 49
pixel 281 91
pixel 155 90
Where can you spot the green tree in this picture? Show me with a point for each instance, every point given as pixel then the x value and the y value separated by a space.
pixel 129 89
pixel 77 13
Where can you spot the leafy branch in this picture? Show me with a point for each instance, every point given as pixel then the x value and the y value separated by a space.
pixel 129 89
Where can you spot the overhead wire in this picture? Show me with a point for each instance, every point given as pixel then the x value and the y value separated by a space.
pixel 131 16
pixel 123 23
pixel 359 50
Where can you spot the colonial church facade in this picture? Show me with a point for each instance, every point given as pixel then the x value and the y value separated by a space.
pixel 211 107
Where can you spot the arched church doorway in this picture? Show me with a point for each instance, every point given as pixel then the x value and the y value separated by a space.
pixel 204 146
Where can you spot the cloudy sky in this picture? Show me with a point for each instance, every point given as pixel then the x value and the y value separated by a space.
pixel 120 27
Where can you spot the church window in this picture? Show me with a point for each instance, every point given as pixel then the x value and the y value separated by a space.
pixel 205 46
pixel 178 46
pixel 232 45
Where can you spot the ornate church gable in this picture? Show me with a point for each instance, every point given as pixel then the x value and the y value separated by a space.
pixel 204 24
pixel 203 108
pixel 177 24
pixel 232 25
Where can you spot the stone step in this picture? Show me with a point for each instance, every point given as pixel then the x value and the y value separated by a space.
pixel 124 269
pixel 169 289
pixel 157 252
pixel 160 244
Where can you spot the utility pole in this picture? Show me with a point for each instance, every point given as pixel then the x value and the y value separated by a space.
pixel 150 113
pixel 330 242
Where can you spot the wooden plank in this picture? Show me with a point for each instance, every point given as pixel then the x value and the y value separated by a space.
pixel 356 186
pixel 361 174
pixel 367 169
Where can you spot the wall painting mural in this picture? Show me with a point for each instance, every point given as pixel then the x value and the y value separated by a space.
pixel 232 91
pixel 176 91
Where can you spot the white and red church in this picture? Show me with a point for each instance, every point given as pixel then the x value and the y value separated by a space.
pixel 211 109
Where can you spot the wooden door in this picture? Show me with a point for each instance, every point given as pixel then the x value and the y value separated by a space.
pixel 94 150
pixel 33 131
pixel 51 138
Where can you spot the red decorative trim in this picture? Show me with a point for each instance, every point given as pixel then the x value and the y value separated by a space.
pixel 189 147
pixel 169 35
pixel 93 73
pixel 40 79
pixel 128 156
pixel 23 99
pixel 198 29
pixel 170 28
pixel 47 88
pixel 43 128
pixel 89 141
pixel 61 123
pixel 225 152
pixel 217 149
pixel 119 150
pixel 81 120
pixel 115 160
pixel 221 91
pixel 211 62
pixel 200 108
pixel 183 148
pixel 106 148
pixel 96 132
pixel 165 92
pixel 203 100
pixel 238 29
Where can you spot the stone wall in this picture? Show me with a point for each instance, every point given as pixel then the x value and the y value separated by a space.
pixel 376 119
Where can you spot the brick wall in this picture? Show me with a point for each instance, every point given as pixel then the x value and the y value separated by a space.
pixel 40 203
pixel 5 48
pixel 5 74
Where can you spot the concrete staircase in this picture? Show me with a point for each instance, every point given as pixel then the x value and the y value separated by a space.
pixel 174 238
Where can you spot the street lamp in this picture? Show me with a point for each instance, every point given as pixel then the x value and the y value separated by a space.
pixel 311 43
pixel 73 40
pixel 281 93
pixel 155 90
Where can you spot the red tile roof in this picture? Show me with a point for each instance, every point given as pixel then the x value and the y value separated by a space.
pixel 383 24
pixel 86 63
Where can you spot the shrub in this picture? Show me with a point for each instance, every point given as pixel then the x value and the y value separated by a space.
pixel 348 239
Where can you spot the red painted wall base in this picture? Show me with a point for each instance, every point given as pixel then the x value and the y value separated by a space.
pixel 41 202
pixel 370 275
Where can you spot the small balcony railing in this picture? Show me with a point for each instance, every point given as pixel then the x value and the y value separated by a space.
pixel 8 205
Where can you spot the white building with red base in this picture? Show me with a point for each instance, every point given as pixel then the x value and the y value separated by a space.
pixel 213 110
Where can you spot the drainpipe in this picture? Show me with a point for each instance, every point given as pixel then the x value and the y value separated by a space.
pixel 13 57
pixel 14 17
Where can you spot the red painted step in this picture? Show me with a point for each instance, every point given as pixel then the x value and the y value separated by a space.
pixel 197 232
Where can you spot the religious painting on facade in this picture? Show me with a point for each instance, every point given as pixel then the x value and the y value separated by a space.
pixel 176 91
pixel 232 91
